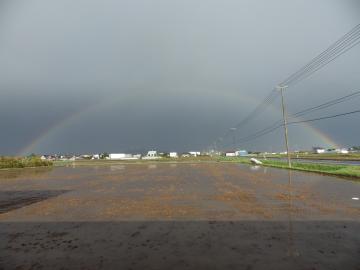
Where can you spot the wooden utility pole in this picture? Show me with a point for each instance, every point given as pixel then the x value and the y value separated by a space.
pixel 281 88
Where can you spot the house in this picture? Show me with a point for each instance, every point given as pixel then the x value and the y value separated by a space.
pixel 319 150
pixel 47 157
pixel 173 154
pixel 121 156
pixel 230 154
pixel 241 153
pixel 118 155
pixel 151 155
pixel 64 158
pixel 96 156
pixel 342 151
pixel 194 153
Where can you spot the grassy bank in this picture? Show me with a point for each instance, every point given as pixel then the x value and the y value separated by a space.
pixel 326 156
pixel 13 162
pixel 340 170
pixel 329 169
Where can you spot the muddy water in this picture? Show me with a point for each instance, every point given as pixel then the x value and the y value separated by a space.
pixel 174 191
pixel 177 216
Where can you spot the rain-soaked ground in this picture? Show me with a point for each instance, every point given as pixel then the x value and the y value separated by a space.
pixel 177 216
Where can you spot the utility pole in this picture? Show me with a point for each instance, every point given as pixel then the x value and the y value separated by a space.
pixel 281 88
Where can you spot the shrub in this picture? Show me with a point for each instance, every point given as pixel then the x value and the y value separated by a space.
pixel 14 162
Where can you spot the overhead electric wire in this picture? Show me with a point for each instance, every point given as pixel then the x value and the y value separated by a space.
pixel 327 104
pixel 279 123
pixel 323 118
pixel 300 122
pixel 267 101
pixel 322 54
pixel 259 133
pixel 342 45
pixel 339 41
pixel 326 62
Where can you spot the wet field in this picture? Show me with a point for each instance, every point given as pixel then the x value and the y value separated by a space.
pixel 177 216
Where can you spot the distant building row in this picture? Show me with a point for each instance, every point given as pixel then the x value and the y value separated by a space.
pixel 151 155
pixel 239 153
pixel 320 150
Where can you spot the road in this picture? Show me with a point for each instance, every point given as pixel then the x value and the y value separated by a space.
pixel 177 216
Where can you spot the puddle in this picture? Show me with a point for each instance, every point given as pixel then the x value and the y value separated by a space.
pixel 182 192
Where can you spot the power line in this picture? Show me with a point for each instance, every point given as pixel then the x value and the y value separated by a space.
pixel 298 122
pixel 327 104
pixel 258 109
pixel 347 42
pixel 325 117
pixel 327 61
pixel 342 45
pixel 278 124
pixel 267 101
pixel 322 54
pixel 260 134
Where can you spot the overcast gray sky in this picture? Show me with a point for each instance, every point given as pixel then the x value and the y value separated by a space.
pixel 113 75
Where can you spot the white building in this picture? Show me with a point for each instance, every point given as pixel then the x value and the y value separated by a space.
pixel 121 156
pixel 195 154
pixel 173 154
pixel 230 154
pixel 241 153
pixel 342 151
pixel 319 150
pixel 151 155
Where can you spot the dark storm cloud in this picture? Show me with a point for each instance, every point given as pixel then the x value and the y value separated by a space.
pixel 165 74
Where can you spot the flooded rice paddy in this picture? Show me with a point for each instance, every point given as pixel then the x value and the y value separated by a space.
pixel 177 216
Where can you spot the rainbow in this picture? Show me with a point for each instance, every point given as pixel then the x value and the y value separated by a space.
pixel 72 118
pixel 326 139
pixel 57 126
